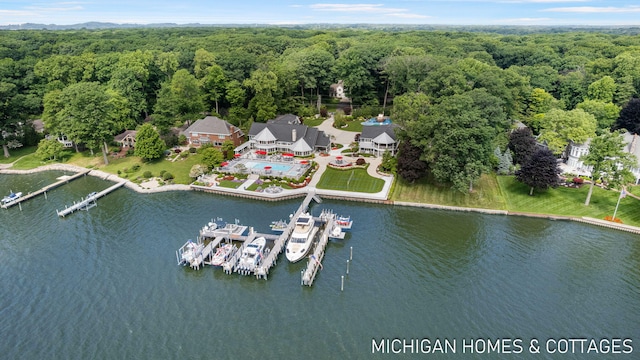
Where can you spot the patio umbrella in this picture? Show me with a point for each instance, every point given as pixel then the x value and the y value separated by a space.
pixel 224 164
pixel 304 162
pixel 287 154
pixel 261 152
pixel 237 155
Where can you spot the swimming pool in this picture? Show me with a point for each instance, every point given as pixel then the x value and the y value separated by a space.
pixel 274 166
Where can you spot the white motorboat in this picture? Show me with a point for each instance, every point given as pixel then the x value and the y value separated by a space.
pixel 252 255
pixel 301 238
pixel 279 226
pixel 208 229
pixel 11 197
pixel 223 253
pixel 190 253
pixel 344 222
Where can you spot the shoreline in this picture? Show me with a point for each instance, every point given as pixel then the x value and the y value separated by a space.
pixel 342 195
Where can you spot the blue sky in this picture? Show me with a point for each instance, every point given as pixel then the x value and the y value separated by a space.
pixel 448 12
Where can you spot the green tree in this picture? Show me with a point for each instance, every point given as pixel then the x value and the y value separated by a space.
pixel 227 149
pixel 85 114
pixel 211 157
pixel 606 113
pixel 49 149
pixel 559 127
pixel 602 90
pixel 197 170
pixel 149 145
pixel 178 99
pixel 264 84
pixel 609 162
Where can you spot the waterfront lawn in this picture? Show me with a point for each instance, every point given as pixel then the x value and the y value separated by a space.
pixel 569 201
pixel 356 180
pixel 229 184
pixel 486 193
pixel 17 153
pixel 179 169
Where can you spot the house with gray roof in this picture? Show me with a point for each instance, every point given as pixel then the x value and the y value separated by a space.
pixel 126 138
pixel 286 119
pixel 377 139
pixel 574 164
pixel 300 140
pixel 212 130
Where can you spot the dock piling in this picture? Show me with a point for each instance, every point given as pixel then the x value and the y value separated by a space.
pixel 351 253
pixel 342 283
pixel 347 267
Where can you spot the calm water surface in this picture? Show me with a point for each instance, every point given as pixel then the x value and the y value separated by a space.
pixel 104 284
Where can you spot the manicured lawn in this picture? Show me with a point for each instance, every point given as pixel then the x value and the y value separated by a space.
pixel 314 122
pixel 356 180
pixel 230 184
pixel 486 194
pixel 179 169
pixel 569 201
pixel 354 126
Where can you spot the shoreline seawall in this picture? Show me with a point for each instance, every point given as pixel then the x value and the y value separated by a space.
pixel 327 194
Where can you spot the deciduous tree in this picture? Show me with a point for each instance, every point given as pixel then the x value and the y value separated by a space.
pixel 609 162
pixel 559 127
pixel 149 145
pixel 540 172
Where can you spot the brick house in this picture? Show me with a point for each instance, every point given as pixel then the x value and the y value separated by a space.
pixel 212 130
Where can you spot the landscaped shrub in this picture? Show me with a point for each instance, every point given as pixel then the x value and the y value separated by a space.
pixel 184 155
pixel 147 174
pixel 162 172
pixel 130 152
pixel 360 161
pixel 577 180
pixel 193 150
pixel 135 167
pixel 167 176
pixel 323 111
pixel 347 110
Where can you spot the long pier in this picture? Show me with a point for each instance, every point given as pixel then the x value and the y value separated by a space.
pixel 44 190
pixel 88 201
pixel 315 259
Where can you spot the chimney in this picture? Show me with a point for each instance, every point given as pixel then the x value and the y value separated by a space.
pixel 293 135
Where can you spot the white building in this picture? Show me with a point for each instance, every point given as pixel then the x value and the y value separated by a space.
pixel 576 151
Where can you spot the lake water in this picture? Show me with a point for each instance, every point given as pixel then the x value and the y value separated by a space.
pixel 104 283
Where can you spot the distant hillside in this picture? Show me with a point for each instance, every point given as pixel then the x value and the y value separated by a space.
pixel 524 29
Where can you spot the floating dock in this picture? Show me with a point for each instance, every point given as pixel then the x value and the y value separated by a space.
pixel 44 190
pixel 200 253
pixel 89 202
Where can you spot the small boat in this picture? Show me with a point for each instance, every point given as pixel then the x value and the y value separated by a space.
pixel 208 229
pixel 301 238
pixel 11 198
pixel 252 255
pixel 91 195
pixel 279 226
pixel 223 253
pixel 191 253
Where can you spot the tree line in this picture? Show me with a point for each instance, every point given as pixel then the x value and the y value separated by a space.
pixel 454 93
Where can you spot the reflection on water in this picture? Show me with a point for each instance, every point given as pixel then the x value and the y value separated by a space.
pixel 105 284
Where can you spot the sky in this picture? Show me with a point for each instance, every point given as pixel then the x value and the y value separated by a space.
pixel 431 12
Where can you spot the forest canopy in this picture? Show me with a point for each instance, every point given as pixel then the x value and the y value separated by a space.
pixel 476 84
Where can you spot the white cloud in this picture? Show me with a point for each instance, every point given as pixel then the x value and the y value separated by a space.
pixel 369 9
pixel 595 9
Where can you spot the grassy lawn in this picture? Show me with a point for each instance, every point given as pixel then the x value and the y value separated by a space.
pixel 179 169
pixel 356 180
pixel 569 201
pixel 17 153
pixel 229 184
pixel 314 122
pixel 354 126
pixel 486 194
pixel 254 186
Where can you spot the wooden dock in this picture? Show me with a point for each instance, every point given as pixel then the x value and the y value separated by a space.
pixel 44 189
pixel 315 259
pixel 85 203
